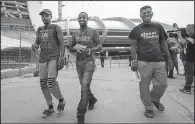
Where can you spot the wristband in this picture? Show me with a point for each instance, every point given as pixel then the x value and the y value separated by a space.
pixel 89 51
pixel 62 57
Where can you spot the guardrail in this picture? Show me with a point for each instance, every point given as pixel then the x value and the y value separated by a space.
pixel 109 61
pixel 16 27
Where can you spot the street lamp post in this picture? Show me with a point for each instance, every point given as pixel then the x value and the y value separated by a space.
pixel 60 10
pixel 20 72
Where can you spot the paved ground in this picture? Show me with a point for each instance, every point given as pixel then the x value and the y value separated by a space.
pixel 118 99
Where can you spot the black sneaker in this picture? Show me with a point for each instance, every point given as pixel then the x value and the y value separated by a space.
pixel 185 91
pixel 171 76
pixel 91 104
pixel 47 112
pixel 80 119
pixel 159 106
pixel 149 113
pixel 36 74
pixel 60 107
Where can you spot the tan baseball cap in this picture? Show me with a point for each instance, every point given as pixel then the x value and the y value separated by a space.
pixel 46 11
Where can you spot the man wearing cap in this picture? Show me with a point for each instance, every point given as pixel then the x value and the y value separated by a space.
pixel 50 39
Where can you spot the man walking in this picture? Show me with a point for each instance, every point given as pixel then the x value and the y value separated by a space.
pixel 50 39
pixel 130 57
pixel 173 46
pixel 89 42
pixel 148 39
pixel 102 56
pixel 190 60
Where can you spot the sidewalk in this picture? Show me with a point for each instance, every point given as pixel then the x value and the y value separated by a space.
pixel 185 100
pixel 116 90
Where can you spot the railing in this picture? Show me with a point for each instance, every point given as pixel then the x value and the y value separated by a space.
pixel 20 54
pixel 109 62
pixel 16 27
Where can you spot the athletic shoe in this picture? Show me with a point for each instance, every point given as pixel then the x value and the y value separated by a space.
pixel 149 113
pixel 80 119
pixel 185 91
pixel 159 106
pixel 47 112
pixel 91 104
pixel 171 76
pixel 60 107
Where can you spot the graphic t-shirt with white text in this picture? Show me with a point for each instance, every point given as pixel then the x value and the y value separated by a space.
pixel 88 38
pixel 148 38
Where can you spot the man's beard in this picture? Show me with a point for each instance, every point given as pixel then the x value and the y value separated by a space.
pixel 82 26
pixel 46 22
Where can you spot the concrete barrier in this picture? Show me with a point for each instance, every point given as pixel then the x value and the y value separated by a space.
pixel 9 73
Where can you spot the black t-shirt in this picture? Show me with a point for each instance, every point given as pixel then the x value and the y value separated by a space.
pixel 148 39
pixel 190 52
pixel 102 55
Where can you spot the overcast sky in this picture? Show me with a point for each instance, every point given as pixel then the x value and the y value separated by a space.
pixel 180 12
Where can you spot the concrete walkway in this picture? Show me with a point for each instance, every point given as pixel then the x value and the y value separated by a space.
pixel 115 88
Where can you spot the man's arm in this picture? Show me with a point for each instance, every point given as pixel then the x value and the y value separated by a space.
pixel 61 41
pixel 165 50
pixel 191 40
pixel 175 46
pixel 72 43
pixel 37 37
pixel 163 43
pixel 133 37
pixel 133 49
pixel 97 41
pixel 35 46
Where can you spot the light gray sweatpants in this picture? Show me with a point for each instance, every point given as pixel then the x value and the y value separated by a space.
pixel 154 72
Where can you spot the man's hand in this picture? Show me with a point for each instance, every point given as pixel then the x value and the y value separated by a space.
pixel 79 48
pixel 60 63
pixel 173 48
pixel 170 63
pixel 79 51
pixel 34 47
pixel 191 40
pixel 134 66
pixel 86 51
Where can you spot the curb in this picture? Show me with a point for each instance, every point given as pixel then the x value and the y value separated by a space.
pixel 185 110
pixel 15 72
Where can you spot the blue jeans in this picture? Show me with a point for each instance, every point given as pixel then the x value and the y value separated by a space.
pixel 85 73
pixel 189 74
pixel 175 64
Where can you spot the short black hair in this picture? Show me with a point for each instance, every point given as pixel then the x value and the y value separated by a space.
pixel 192 25
pixel 84 13
pixel 171 35
pixel 145 7
pixel 183 32
pixel 175 24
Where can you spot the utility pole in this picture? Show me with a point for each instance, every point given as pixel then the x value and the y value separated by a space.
pixel 20 59
pixel 60 10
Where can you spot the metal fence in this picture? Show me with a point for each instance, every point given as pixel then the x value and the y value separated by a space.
pixel 21 55
pixel 109 61
pixel 15 46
